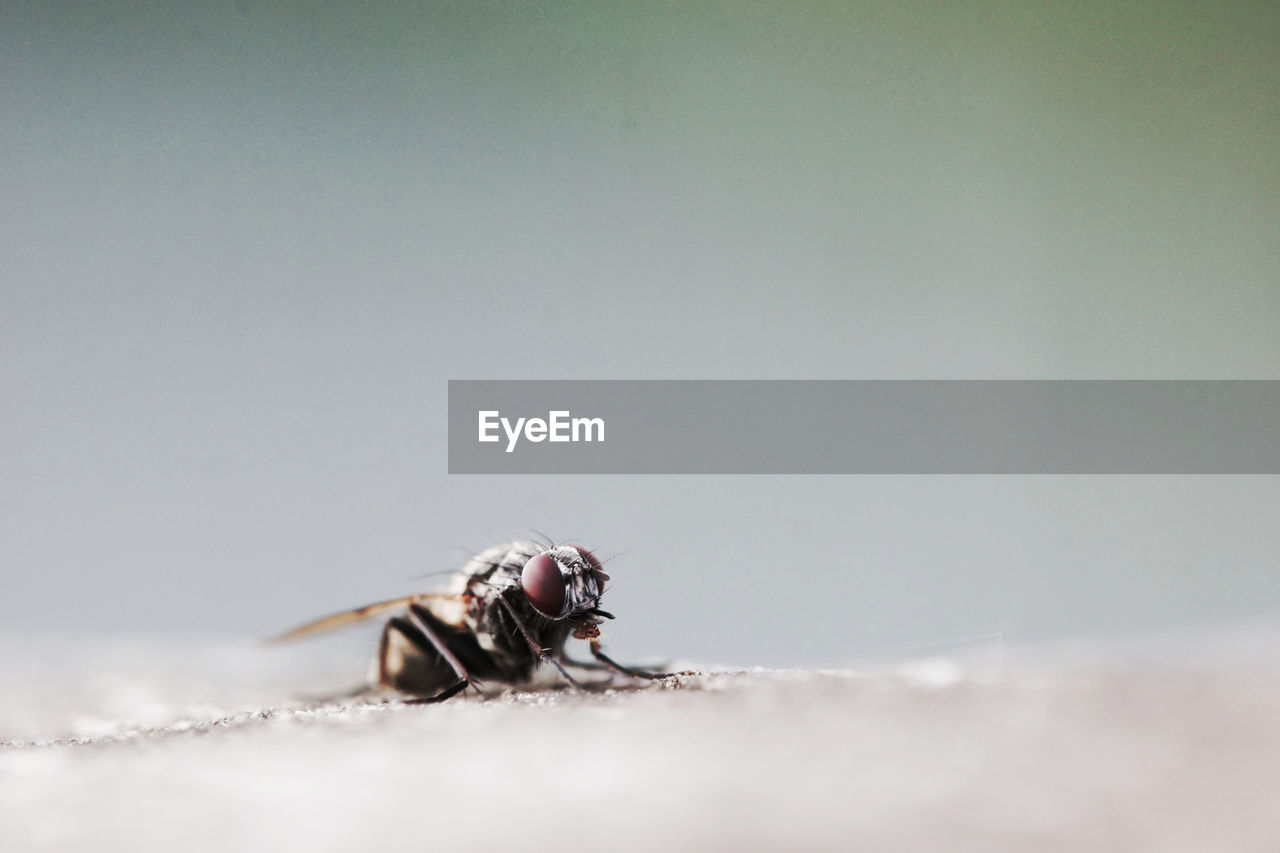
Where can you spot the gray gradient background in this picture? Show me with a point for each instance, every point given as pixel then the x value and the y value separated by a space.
pixel 244 247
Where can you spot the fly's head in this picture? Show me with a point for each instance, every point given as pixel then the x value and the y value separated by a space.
pixel 565 583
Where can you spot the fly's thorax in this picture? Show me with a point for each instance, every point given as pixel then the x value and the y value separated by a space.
pixel 499 565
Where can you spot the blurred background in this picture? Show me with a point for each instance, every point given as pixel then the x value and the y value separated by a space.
pixel 244 246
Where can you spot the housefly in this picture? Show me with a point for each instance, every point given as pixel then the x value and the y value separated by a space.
pixel 510 608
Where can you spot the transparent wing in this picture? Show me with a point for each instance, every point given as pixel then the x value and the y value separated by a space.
pixel 359 614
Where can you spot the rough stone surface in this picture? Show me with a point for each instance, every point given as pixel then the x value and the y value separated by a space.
pixel 955 753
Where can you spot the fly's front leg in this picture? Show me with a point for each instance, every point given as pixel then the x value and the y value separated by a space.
pixel 589 665
pixel 610 663
pixel 538 651
pixel 597 666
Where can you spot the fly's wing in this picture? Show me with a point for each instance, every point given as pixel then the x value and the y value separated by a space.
pixel 359 614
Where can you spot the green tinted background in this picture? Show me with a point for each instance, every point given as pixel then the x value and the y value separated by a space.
pixel 244 246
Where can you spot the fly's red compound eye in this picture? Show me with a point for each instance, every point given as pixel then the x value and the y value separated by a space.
pixel 588 557
pixel 592 563
pixel 543 585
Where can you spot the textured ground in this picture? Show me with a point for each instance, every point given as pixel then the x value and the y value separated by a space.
pixel 128 747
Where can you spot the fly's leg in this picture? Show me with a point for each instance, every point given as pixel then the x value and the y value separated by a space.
pixel 596 666
pixel 610 663
pixel 539 652
pixel 605 683
pixel 416 628
pixel 590 665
